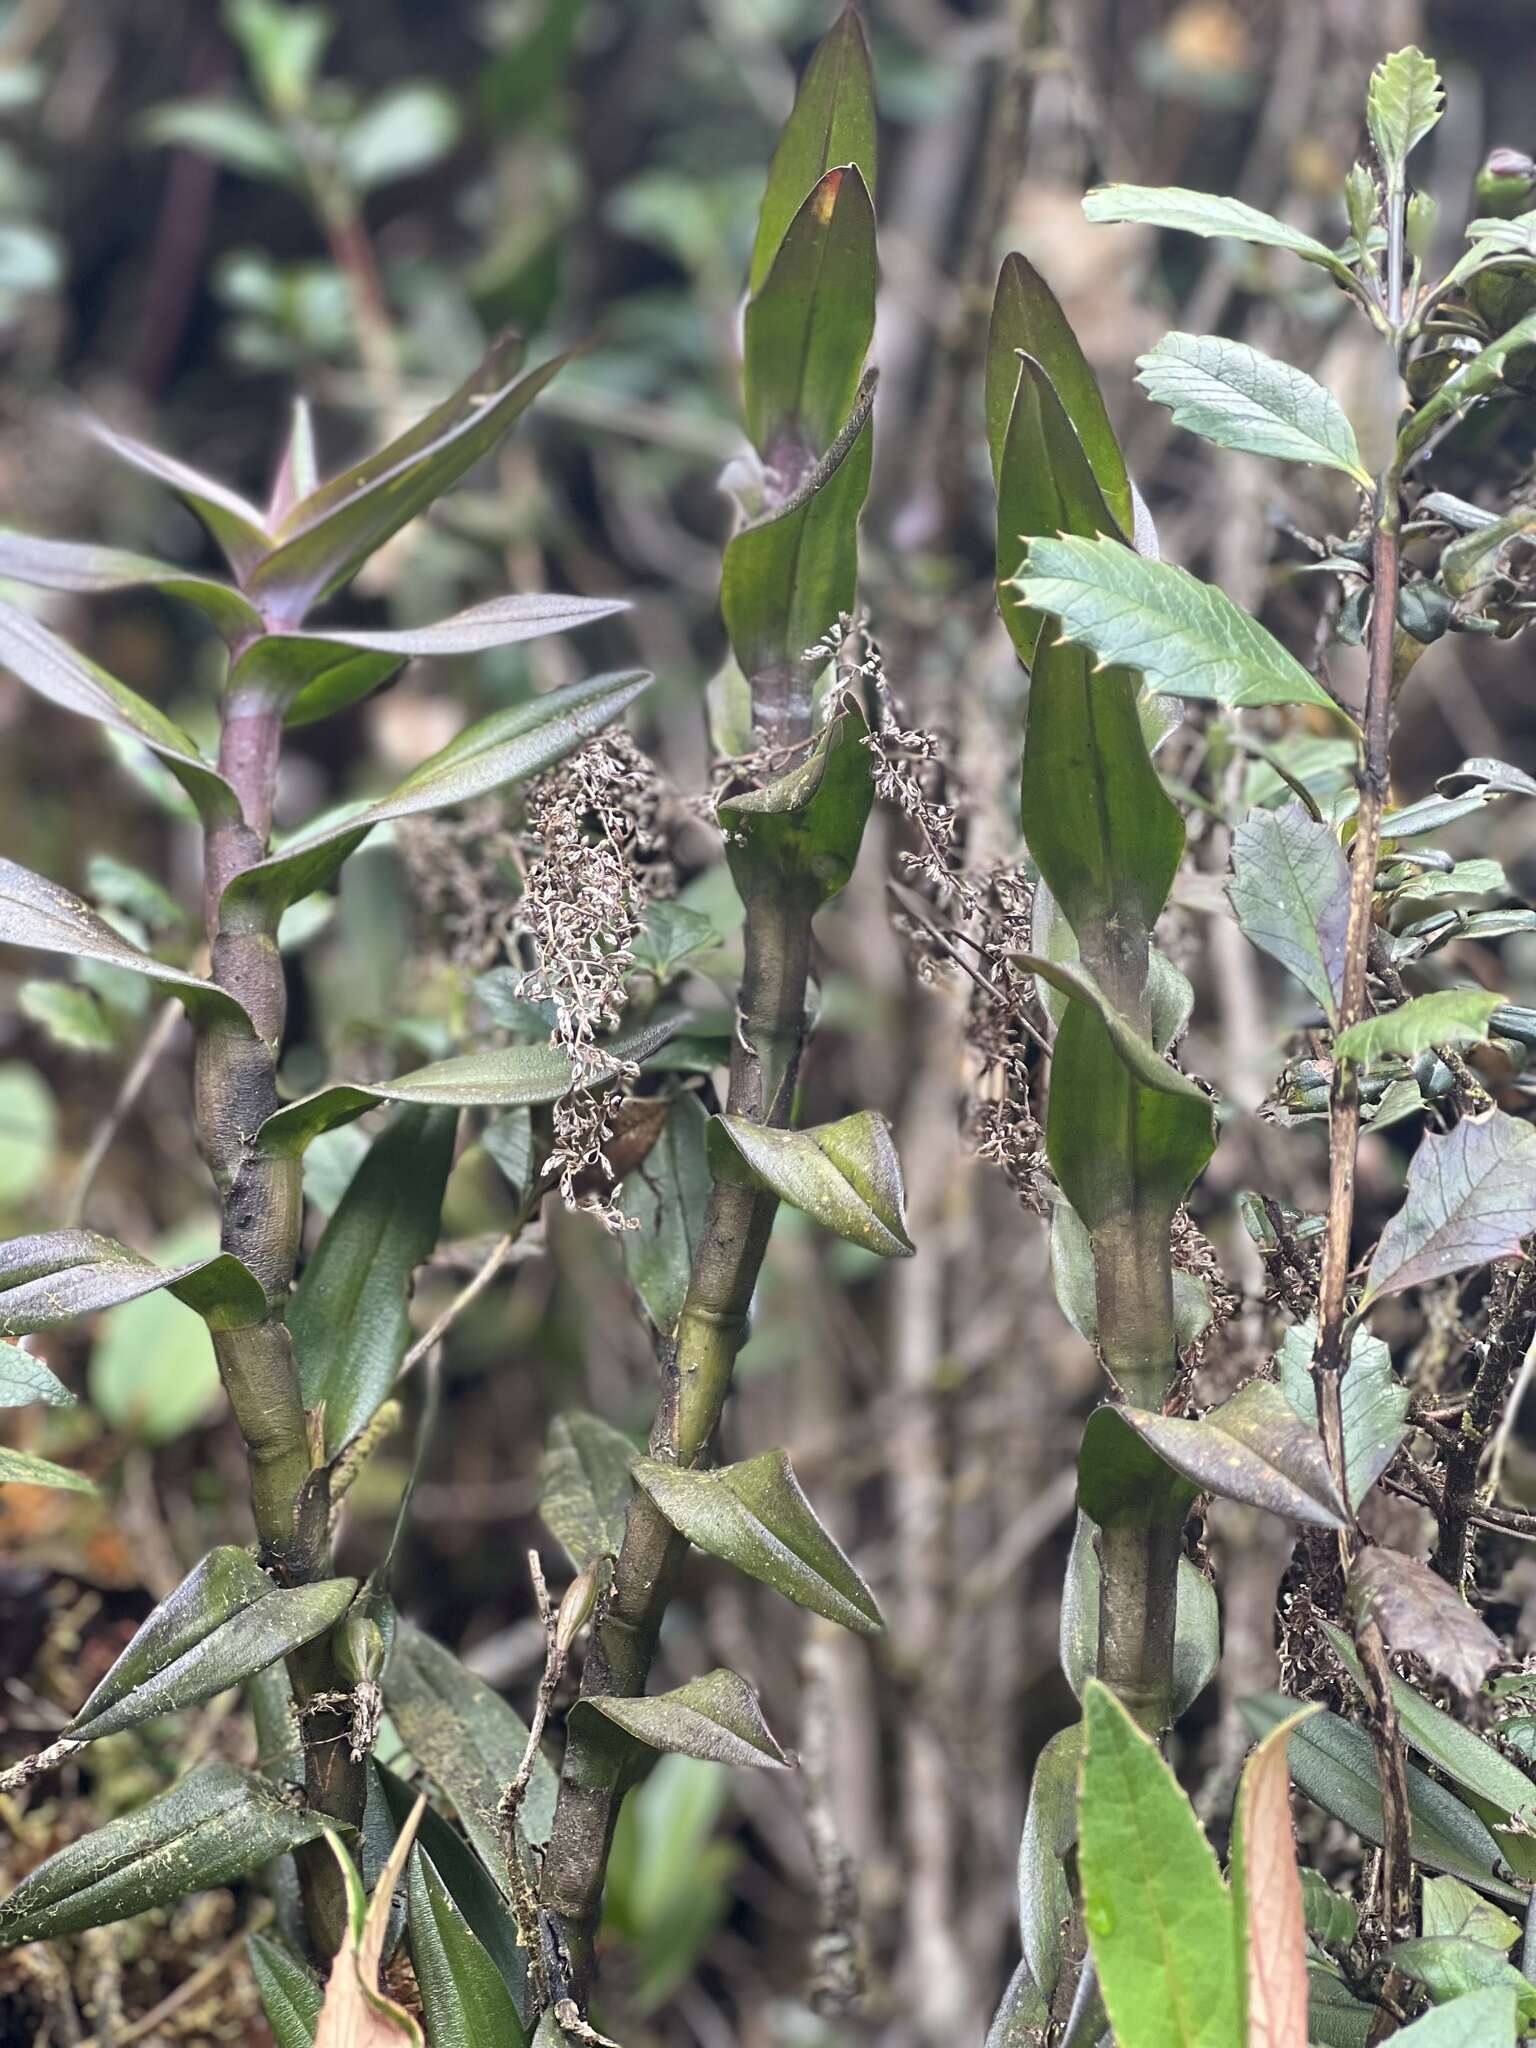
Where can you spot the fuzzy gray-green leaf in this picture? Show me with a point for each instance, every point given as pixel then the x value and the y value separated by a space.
pixel 1241 398
pixel 1204 213
pixel 1448 1016
pixel 1403 102
pixel 1470 1198
pixel 755 1516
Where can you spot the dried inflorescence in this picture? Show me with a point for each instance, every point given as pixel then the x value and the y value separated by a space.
pixel 462 870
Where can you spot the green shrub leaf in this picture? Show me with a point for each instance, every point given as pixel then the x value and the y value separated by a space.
pixel 1484 2019
pixel 845 1175
pixel 585 1487
pixel 1290 892
pixel 1449 1966
pixel 1159 1917
pixel 665 1198
pixel 290 1994
pixel 25 1379
pixel 234 522
pixel 1450 1016
pixel 1375 1402
pixel 465 2002
pixel 1205 213
pixel 1050 1836
pixel 1470 1198
pixel 755 1516
pixel 218 1824
pixel 1241 398
pixel 92 570
pixel 1186 637
pixel 1196 1623
pixel 25 1468
pixel 1403 103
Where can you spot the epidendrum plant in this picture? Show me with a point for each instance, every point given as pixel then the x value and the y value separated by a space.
pixel 1335 883
pixel 502 1910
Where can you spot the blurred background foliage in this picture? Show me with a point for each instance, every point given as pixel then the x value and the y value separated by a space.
pixel 204 210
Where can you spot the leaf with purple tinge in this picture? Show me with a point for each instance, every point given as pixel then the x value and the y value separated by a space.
pixel 89 570
pixel 1290 892
pixel 1416 1610
pixel 1471 1198
pixel 1253 1448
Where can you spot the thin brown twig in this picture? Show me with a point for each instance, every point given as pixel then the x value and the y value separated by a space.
pixel 193 1987
pixel 161 1033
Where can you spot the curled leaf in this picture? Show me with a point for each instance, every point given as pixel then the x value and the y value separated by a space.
pixel 716 1718
pixel 1254 1448
pixel 844 1175
pixel 1416 1610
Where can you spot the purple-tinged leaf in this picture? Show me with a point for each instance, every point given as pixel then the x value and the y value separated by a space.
pixel 1416 1610
pixel 93 571
pixel 1290 892
pixel 1253 1448
pixel 1470 1198
pixel 234 522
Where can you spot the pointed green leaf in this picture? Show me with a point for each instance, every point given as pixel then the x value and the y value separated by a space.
pixel 233 521
pixel 467 1740
pixel 1268 1920
pixel 50 666
pixel 230 133
pixel 1335 1766
pixel 1477 378
pixel 213 1632
pixel 316 674
pixel 328 536
pixel 298 474
pixel 508 1077
pixel 584 1485
pixel 1205 213
pixel 755 1516
pixel 349 1315
pixel 790 576
pixel 506 747
pixel 1049 1837
pixel 1470 1198
pixel 1186 637
pixel 1485 2019
pixel 1416 1610
pixel 808 329
pixel 802 831
pixel 1122 1480
pixel 1158 1915
pixel 1336 2018
pixel 218 1824
pixel 1403 103
pixel 1241 398
pixel 54 1277
pixel 1027 316
pixel 1290 891
pixel 1254 1448
pixel 71 1016
pixel 664 1200
pixel 833 122
pixel 92 570
pixel 1451 1907
pixel 24 1468
pixel 715 1718
pixel 25 1379
pixel 845 1175
pixel 465 2003
pixel 290 1994
pixel 1375 1402
pixel 1457 1750
pixel 1448 1967
pixel 1449 1016
pixel 37 914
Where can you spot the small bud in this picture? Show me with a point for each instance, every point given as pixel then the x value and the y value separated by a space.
pixel 1362 201
pixel 576 1608
pixel 1506 185
pixel 358 1646
pixel 1424 610
pixel 1420 226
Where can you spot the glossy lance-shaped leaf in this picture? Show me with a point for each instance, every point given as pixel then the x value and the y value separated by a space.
pixel 1374 1400
pixel 1158 1915
pixel 314 675
pixel 790 576
pixel 37 914
pixel 664 1202
pixel 1477 379
pixel 1290 892
pixel 356 2012
pixel 235 523
pixel 217 1824
pixel 1103 832
pixel 1266 1895
pixel 349 1315
pixel 1206 213
pixel 801 832
pixel 1416 1610
pixel 808 330
pixel 584 1485
pixel 506 747
pixel 1049 1837
pixel 24 1468
pixel 1254 1448
pixel 290 1994
pixel 755 1516
pixel 1027 317
pixel 1448 1016
pixel 832 122
pixel 25 1379
pixel 1334 1765
pixel 91 570
pixel 329 535
pixel 716 1718
pixel 845 1175
pixel 464 2001
pixel 1241 398
pixel 1196 1620
pixel 1402 104
pixel 1483 2019
pixel 54 670
pixel 225 1622
pixel 1186 637
pixel 52 1278
pixel 508 1077
pixel 1470 1198
pixel 1463 1755
pixel 468 1741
